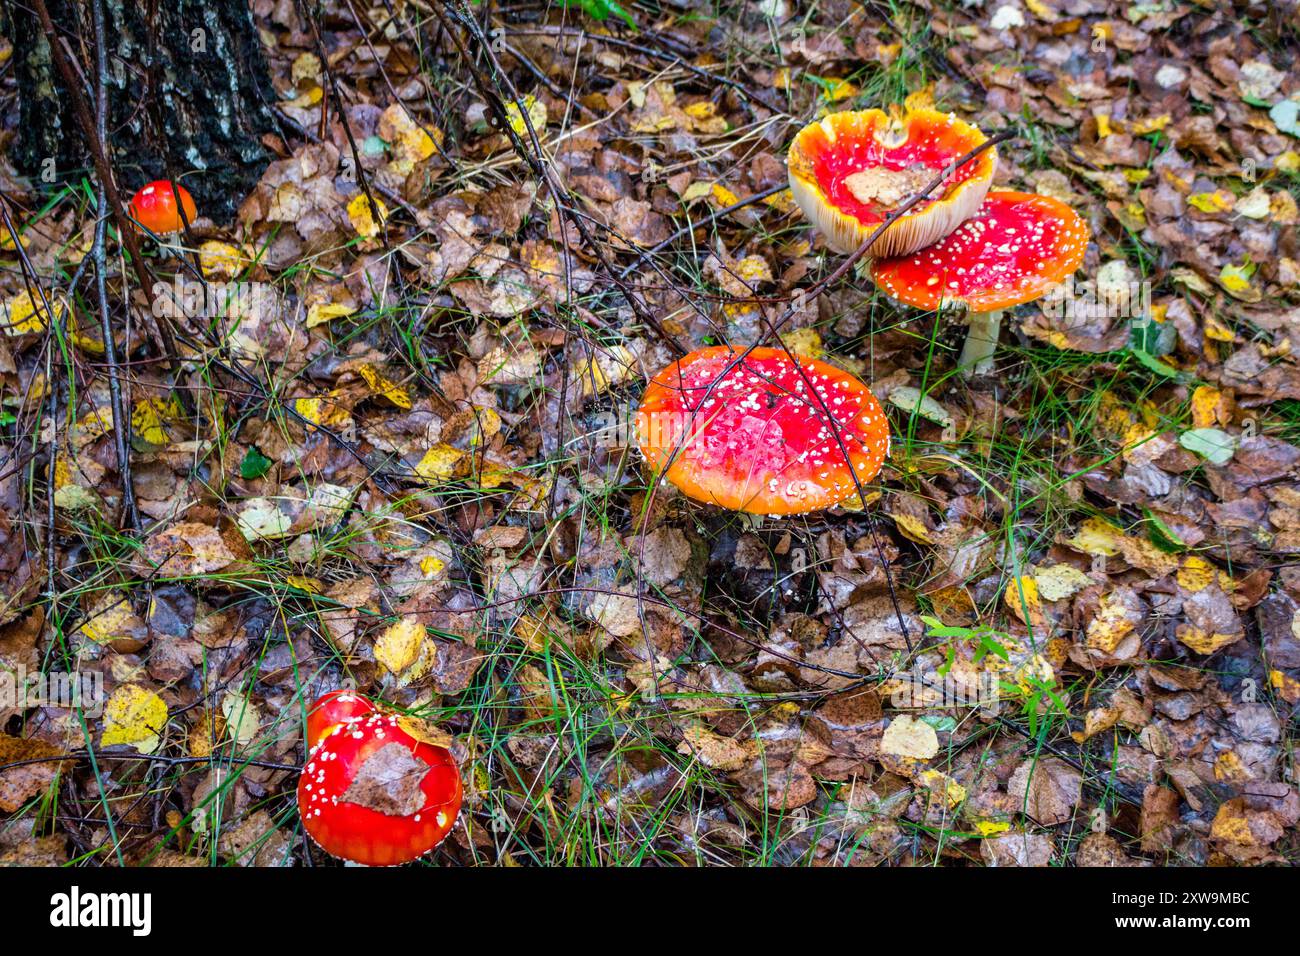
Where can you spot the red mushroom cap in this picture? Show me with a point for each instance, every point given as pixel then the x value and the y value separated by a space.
pixel 374 794
pixel 1015 249
pixel 332 711
pixel 753 438
pixel 848 171
pixel 154 207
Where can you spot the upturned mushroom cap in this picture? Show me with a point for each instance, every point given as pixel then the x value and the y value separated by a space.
pixel 754 438
pixel 1016 248
pixel 848 171
pixel 154 207
pixel 374 794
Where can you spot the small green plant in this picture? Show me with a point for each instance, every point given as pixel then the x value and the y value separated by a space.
pixel 1039 702
pixel 601 9
pixel 985 638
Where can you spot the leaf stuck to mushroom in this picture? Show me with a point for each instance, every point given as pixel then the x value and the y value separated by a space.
pixel 761 431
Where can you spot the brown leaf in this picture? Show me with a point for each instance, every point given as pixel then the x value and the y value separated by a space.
pixel 1017 848
pixel 20 784
pixel 1160 820
pixel 186 549
pixel 389 781
pixel 1050 789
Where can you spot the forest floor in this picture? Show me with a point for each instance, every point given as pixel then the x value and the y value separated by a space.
pixel 397 457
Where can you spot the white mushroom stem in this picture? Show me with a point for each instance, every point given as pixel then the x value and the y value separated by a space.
pixel 981 342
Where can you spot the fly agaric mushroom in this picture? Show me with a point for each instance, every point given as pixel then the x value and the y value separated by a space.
pixel 373 790
pixel 154 207
pixel 753 434
pixel 849 171
pixel 1014 250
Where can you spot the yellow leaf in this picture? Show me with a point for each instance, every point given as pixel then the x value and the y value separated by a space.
pixel 399 645
pixel 1060 581
pixel 425 731
pixel 362 216
pixel 941 784
pixel 220 260
pixel 149 418
pixel 913 529
pixel 1196 574
pixel 404 649
pixel 326 412
pixel 723 196
pixel 1207 407
pixel 380 384
pixel 304 583
pixel 136 717
pixel 754 270
pixel 25 316
pixel 1097 537
pixel 1103 125
pixel 323 312
pixel 410 142
pixel 1152 124
pixel 1218 201
pixel 93 424
pixel 536 116
pixel 1204 642
pixel 1288 162
pixel 908 737
pixel 988 828
pixel 1287 687
pixel 1235 278
pixel 837 90
pixel 1111 625
pixel 806 342
pixel 922 99
pixel 439 462
pixel 1216 331
pixel 111 618
pixel 705 119
pixel 1021 597
pixel 782 201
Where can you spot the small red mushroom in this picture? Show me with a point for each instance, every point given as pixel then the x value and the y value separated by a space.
pixel 372 790
pixel 1014 250
pixel 849 171
pixel 754 434
pixel 154 207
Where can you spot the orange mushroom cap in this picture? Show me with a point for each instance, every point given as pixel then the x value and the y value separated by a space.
pixel 372 793
pixel 849 171
pixel 754 437
pixel 154 207
pixel 1015 249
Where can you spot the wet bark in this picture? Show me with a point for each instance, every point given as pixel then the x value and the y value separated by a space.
pixel 188 92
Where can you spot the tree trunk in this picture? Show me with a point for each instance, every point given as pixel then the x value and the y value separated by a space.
pixel 187 87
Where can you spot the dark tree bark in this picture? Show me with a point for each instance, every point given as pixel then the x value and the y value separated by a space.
pixel 187 84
